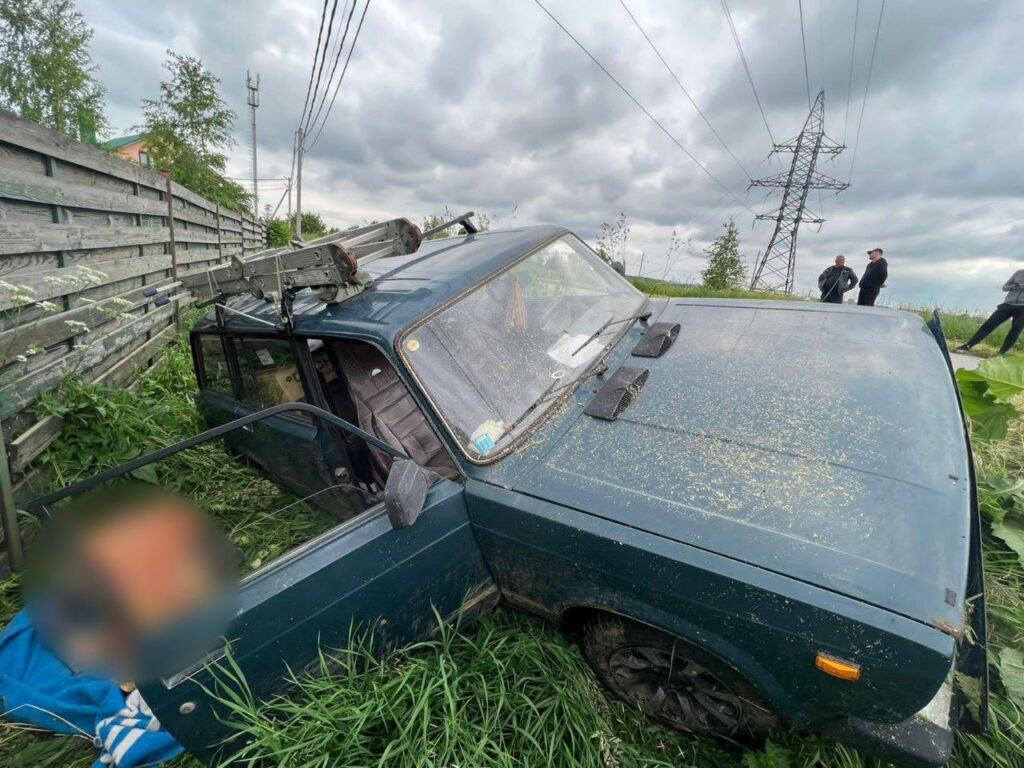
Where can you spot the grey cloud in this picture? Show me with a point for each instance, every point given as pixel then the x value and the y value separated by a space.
pixel 489 106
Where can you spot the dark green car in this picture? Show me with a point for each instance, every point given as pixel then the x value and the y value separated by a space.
pixel 749 512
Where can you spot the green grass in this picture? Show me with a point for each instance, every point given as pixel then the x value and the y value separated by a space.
pixel 654 287
pixel 509 691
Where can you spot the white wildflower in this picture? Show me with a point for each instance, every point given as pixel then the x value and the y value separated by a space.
pixel 76 326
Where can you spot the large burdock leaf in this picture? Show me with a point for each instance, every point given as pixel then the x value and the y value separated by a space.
pixel 1011 672
pixel 1005 376
pixel 989 417
pixel 1011 531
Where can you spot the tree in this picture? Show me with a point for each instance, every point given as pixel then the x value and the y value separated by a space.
pixel 279 233
pixel 46 72
pixel 312 225
pixel 187 131
pixel 725 265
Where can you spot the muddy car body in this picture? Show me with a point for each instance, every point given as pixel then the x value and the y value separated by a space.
pixel 776 498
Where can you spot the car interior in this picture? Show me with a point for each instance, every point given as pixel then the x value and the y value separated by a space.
pixel 361 386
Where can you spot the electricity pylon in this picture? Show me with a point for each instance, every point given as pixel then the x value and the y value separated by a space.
pixel 775 268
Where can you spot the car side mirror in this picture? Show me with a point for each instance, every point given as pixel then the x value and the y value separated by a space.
pixel 619 267
pixel 405 492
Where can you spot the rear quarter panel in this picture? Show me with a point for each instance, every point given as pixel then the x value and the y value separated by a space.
pixel 548 559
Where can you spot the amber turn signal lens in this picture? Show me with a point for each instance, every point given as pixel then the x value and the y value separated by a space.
pixel 844 670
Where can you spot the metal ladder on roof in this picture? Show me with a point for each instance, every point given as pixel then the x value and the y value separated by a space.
pixel 331 266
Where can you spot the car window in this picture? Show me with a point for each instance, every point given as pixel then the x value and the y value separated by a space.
pixel 269 373
pixel 493 360
pixel 216 373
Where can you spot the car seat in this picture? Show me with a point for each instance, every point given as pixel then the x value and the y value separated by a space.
pixel 386 409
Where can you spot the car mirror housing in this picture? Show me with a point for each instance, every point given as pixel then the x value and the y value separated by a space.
pixel 406 491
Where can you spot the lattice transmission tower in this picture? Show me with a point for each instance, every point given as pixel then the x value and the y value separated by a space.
pixel 775 268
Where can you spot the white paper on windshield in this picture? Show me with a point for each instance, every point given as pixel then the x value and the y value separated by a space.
pixel 562 350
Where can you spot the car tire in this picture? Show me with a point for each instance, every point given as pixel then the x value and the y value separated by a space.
pixel 675 682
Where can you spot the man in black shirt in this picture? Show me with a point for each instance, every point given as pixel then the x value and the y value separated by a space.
pixel 1011 309
pixel 835 281
pixel 873 279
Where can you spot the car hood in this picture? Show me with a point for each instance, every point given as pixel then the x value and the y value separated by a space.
pixel 821 442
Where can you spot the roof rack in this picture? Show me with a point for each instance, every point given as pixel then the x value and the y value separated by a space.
pixel 330 266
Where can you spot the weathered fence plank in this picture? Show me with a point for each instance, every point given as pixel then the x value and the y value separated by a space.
pixel 90 234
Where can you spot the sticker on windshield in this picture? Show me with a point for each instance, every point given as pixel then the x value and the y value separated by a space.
pixel 412 345
pixel 264 356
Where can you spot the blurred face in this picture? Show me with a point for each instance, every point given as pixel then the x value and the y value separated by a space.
pixel 133 587
pixel 874 255
pixel 840 261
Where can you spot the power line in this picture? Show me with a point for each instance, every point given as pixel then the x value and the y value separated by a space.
pixel 746 67
pixel 803 44
pixel 683 89
pixel 337 58
pixel 355 39
pixel 316 55
pixel 867 85
pixel 821 44
pixel 323 58
pixel 640 106
pixel 849 77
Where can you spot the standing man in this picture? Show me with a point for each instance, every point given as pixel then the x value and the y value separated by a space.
pixel 873 279
pixel 1011 309
pixel 835 281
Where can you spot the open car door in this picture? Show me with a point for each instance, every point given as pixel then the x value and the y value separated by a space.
pixel 363 577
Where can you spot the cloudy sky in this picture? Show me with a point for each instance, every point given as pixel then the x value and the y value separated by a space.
pixel 489 106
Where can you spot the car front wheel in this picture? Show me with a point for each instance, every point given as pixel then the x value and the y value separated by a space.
pixel 673 681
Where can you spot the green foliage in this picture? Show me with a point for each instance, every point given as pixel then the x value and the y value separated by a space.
pixel 312 225
pixel 46 72
pixel 279 233
pixel 987 394
pixel 187 131
pixel 654 287
pixel 1011 671
pixel 724 270
pixel 513 692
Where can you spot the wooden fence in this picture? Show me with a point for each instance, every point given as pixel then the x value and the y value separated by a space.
pixel 90 249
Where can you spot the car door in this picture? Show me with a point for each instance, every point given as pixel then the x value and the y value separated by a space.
pixel 362 578
pixel 264 371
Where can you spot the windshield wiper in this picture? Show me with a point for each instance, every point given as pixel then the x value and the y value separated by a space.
pixel 644 316
pixel 550 391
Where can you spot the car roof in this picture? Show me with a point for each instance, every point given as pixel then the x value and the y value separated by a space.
pixel 405 288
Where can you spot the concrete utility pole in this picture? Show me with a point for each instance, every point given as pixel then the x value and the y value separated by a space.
pixel 254 102
pixel 775 268
pixel 300 139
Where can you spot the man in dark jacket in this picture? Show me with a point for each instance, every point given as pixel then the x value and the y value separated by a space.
pixel 835 281
pixel 1011 309
pixel 873 279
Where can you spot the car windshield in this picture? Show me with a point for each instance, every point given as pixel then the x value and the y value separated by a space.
pixel 494 358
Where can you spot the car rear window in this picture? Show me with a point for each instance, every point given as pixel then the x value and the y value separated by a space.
pixel 216 373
